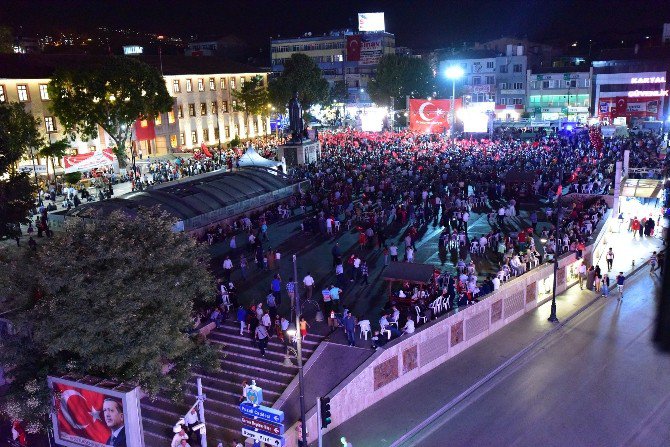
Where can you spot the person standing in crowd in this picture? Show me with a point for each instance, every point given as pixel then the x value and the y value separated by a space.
pixel 609 257
pixel 620 279
pixel 349 328
pixel 308 282
pixel 262 338
pixel 653 263
pixel 227 268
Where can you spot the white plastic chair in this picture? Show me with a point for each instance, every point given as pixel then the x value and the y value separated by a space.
pixel 387 332
pixel 436 305
pixel 419 317
pixel 365 328
pixel 392 321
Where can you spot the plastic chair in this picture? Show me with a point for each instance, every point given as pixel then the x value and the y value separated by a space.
pixel 420 317
pixel 387 332
pixel 365 328
pixel 436 306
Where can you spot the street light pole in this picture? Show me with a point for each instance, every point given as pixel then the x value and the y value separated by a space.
pixel 553 318
pixel 298 337
pixel 454 72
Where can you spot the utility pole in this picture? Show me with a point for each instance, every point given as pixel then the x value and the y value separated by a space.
pixel 298 337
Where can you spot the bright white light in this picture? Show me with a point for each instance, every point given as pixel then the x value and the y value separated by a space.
pixel 473 120
pixel 372 119
pixel 454 72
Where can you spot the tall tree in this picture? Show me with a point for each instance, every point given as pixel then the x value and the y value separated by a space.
pixel 52 151
pixel 252 99
pixel 112 94
pixel 399 76
pixel 300 74
pixel 109 297
pixel 18 134
pixel 339 92
pixel 6 40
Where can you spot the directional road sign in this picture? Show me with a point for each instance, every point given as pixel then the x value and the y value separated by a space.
pixel 266 413
pixel 268 427
pixel 262 437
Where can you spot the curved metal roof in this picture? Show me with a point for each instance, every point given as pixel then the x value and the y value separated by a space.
pixel 193 196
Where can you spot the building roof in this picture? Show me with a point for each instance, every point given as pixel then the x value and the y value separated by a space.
pixel 42 66
pixel 193 196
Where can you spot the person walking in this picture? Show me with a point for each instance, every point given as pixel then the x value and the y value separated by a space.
pixel 262 337
pixel 227 268
pixel 243 266
pixel 308 282
pixel 364 273
pixel 349 328
pixel 653 263
pixel 620 279
pixel 609 257
pixel 290 291
pixel 582 275
pixel 605 285
pixel 303 328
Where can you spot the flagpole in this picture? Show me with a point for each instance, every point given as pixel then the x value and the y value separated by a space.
pixel 552 317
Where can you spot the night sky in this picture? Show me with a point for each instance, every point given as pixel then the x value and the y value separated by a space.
pixel 416 23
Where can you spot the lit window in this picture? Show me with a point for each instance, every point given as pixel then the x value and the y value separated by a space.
pixel 242 82
pixel 173 140
pixel 176 86
pixel 191 109
pixel 194 137
pixel 205 134
pixel 212 84
pixel 49 124
pixel 158 120
pixel 189 85
pixel 23 92
pixel 227 129
pixel 223 83
pixel 171 117
pixel 182 138
pixel 232 83
pixel 44 93
pixel 201 85
pixel 215 108
pixel 3 98
pixel 234 104
pixel 203 108
pixel 224 106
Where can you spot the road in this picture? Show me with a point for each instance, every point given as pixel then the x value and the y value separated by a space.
pixel 597 381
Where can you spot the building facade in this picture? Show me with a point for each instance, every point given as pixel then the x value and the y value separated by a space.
pixel 559 95
pixel 338 58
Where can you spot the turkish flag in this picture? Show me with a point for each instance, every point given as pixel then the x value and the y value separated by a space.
pixel 354 48
pixel 621 105
pixel 430 116
pixel 205 150
pixel 80 415
pixel 144 130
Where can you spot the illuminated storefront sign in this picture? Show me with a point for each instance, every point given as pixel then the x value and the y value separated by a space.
pixel 647 93
pixel 649 80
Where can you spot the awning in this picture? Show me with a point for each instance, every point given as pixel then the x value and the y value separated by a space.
pixel 91 160
pixel 636 187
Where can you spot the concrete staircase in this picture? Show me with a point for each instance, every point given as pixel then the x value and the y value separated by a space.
pixel 239 360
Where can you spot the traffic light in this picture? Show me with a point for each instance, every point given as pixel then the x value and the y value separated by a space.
pixel 325 412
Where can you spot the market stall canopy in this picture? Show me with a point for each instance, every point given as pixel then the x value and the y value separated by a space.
pixel 91 160
pixel 253 158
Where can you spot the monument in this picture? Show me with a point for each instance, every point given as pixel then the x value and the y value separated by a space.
pixel 299 149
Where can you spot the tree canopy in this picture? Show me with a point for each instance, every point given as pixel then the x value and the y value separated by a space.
pixel 252 98
pixel 18 133
pixel 399 76
pixel 53 151
pixel 300 74
pixel 6 40
pixel 110 298
pixel 112 94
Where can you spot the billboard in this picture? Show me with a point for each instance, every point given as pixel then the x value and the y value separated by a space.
pixel 93 416
pixel 630 107
pixel 371 49
pixel 431 116
pixel 371 21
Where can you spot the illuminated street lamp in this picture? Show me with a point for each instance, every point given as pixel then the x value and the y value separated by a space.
pixel 454 73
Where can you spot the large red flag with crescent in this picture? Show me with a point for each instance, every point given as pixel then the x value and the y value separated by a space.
pixel 82 416
pixel 354 48
pixel 431 116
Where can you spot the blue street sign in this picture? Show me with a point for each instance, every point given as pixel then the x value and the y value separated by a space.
pixel 261 412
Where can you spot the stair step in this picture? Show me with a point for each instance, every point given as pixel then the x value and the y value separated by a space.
pixel 221 378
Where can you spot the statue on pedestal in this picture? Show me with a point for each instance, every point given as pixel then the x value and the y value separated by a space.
pixel 296 126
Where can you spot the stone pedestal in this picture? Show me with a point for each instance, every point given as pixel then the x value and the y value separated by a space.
pixel 299 153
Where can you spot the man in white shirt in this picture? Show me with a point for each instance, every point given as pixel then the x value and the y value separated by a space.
pixel 227 268
pixel 409 253
pixel 393 251
pixel 308 281
pixel 465 218
pixel 409 327
pixel 178 436
pixel 582 275
pixel 496 282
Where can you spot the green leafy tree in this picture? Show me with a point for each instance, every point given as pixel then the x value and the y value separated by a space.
pixel 72 177
pixel 53 151
pixel 252 99
pixel 109 297
pixel 18 134
pixel 399 76
pixel 6 40
pixel 112 94
pixel 300 74
pixel 235 142
pixel 339 92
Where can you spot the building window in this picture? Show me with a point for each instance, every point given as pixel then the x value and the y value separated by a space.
pixel 234 105
pixel 194 137
pixel 171 117
pixel 237 129
pixel 212 84
pixel 191 109
pixel 517 101
pixel 201 85
pixel 489 64
pixel 223 83
pixel 189 85
pixel 216 133
pixel 158 120
pixel 205 134
pixel 22 90
pixel 224 106
pixel 49 124
pixel 176 86
pixel 587 83
pixel 503 69
pixel 517 68
pixel 572 83
pixel 173 140
pixel 518 86
pixel 215 108
pixel 232 83
pixel 182 138
pixel 180 111
pixel 545 84
pixel 242 82
pixel 465 66
pixel 3 98
pixel 490 80
pixel 227 129
pixel 503 101
pixel 44 93
pixel 503 86
pixel 477 80
pixel 203 108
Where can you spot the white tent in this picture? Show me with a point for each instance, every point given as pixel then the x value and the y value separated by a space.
pixel 252 158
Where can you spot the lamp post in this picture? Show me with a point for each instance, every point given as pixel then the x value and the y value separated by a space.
pixel 553 318
pixel 295 331
pixel 454 73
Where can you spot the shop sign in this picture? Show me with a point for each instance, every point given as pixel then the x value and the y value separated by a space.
pixel 647 93
pixel 649 80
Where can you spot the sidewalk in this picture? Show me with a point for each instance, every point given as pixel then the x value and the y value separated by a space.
pixel 629 251
pixel 403 410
